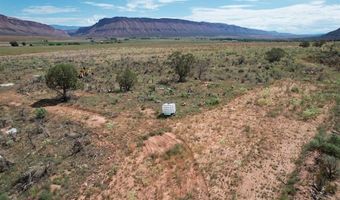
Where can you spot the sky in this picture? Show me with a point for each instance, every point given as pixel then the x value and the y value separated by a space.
pixel 287 16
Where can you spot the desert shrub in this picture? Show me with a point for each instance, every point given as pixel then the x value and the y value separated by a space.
pixel 14 43
pixel 330 188
pixel 4 196
pixel 23 43
pixel 276 73
pixel 126 80
pixel 40 113
pixel 275 55
pixel 310 113
pixel 263 102
pixel 329 167
pixel 329 145
pixel 319 43
pixel 176 150
pixel 330 149
pixel 202 67
pixel 212 101
pixel 45 195
pixel 330 58
pixel 319 182
pixel 182 64
pixel 295 89
pixel 304 44
pixel 62 77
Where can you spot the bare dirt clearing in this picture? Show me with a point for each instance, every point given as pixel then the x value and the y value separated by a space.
pixel 92 120
pixel 241 151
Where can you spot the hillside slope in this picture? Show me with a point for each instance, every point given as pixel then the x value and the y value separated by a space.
pixel 147 27
pixel 13 26
pixel 334 35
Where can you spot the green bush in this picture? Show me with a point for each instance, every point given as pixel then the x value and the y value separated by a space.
pixel 329 145
pixel 330 58
pixel 62 77
pixel 14 43
pixel 4 196
pixel 45 195
pixel 310 113
pixel 319 43
pixel 182 64
pixel 40 113
pixel 212 101
pixel 304 44
pixel 126 80
pixel 295 89
pixel 275 55
pixel 329 167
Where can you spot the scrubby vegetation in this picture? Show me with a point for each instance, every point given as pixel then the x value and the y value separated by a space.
pixel 304 44
pixel 90 144
pixel 326 168
pixel 14 43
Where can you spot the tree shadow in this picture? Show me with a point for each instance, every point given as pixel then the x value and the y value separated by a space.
pixel 47 102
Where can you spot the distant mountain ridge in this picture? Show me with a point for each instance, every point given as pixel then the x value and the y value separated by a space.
pixel 16 27
pixel 164 27
pixel 334 35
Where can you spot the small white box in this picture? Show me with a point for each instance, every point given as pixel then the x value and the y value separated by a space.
pixel 169 109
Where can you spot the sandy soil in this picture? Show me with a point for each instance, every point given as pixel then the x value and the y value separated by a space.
pixel 242 152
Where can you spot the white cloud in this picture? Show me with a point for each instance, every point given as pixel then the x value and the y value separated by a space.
pixel 313 17
pixel 100 5
pixel 236 6
pixel 79 21
pixel 43 10
pixel 134 5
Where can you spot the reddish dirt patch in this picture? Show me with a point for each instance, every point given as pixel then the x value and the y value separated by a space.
pixel 11 98
pixel 242 152
pixel 147 174
pixel 160 144
pixel 92 120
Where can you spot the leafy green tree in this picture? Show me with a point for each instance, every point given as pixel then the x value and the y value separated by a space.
pixel 61 78
pixel 182 63
pixel 126 80
pixel 275 55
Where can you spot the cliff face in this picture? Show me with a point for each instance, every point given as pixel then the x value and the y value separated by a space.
pixel 17 27
pixel 146 27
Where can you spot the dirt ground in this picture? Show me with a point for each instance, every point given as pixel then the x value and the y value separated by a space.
pixel 233 151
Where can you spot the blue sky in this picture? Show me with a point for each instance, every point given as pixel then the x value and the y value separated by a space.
pixel 293 16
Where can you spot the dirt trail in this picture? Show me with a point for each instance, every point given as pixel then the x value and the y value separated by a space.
pixel 234 151
pixel 242 152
